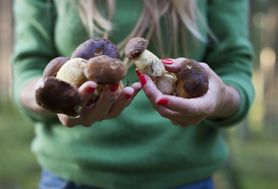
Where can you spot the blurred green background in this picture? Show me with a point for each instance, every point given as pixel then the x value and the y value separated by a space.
pixel 253 162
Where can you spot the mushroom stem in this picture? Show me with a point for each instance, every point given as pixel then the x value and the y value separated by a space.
pixel 149 64
pixel 191 81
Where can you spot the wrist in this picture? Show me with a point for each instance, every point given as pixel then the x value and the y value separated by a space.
pixel 229 103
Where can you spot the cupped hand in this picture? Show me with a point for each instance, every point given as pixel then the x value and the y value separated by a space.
pixel 110 104
pixel 220 101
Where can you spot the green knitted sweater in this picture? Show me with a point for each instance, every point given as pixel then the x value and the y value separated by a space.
pixel 138 149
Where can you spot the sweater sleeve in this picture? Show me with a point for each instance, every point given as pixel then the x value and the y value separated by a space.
pixel 34 43
pixel 230 56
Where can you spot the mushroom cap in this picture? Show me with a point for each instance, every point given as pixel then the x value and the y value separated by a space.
pixel 58 96
pixel 135 47
pixel 192 80
pixel 96 47
pixel 105 70
pixel 73 72
pixel 53 66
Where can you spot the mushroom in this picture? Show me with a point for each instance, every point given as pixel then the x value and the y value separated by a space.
pixel 191 81
pixel 143 59
pixel 53 66
pixel 101 70
pixel 95 59
pixel 59 96
pixel 105 70
pixel 96 47
pixel 73 71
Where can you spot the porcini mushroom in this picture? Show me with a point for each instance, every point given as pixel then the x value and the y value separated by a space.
pixel 96 47
pixel 73 71
pixel 54 66
pixel 191 81
pixel 59 96
pixel 95 59
pixel 105 70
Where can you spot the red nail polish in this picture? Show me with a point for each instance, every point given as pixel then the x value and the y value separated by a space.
pixel 128 96
pixel 167 61
pixel 90 89
pixel 143 79
pixel 162 102
pixel 138 73
pixel 114 87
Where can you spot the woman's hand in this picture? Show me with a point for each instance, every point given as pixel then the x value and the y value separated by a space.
pixel 220 101
pixel 110 104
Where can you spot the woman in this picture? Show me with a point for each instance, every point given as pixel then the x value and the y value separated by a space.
pixel 145 140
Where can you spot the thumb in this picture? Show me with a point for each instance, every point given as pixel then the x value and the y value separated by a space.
pixel 86 90
pixel 173 65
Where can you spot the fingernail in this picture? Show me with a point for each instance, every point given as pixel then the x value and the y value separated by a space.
pixel 167 61
pixel 138 73
pixel 128 96
pixel 162 102
pixel 90 89
pixel 114 87
pixel 143 79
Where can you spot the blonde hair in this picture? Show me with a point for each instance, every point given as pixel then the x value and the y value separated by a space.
pixel 175 14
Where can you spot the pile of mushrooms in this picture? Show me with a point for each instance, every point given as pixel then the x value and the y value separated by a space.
pixel 98 60
pixel 191 81
pixel 95 59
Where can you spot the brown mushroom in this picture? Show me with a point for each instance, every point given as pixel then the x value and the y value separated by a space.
pixel 191 81
pixel 53 66
pixel 58 92
pixel 143 59
pixel 96 47
pixel 95 59
pixel 58 96
pixel 105 70
pixel 135 47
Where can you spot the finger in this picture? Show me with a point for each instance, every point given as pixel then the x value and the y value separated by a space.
pixel 86 90
pixel 39 83
pixel 136 86
pixel 149 87
pixel 105 101
pixel 123 100
pixel 173 65
pixel 169 114
pixel 67 121
pixel 190 107
pixel 126 96
pixel 178 117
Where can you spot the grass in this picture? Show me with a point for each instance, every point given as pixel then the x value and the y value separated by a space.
pixel 255 160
